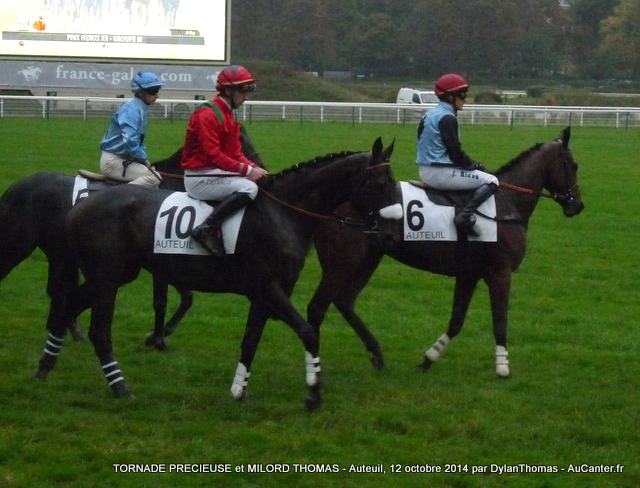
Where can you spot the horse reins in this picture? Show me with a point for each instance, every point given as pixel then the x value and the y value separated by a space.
pixel 332 218
pixel 568 194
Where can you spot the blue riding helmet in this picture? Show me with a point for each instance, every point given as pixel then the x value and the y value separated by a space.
pixel 145 80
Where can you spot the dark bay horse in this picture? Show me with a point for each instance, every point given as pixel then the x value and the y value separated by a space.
pixel 547 166
pixel 33 211
pixel 32 215
pixel 112 236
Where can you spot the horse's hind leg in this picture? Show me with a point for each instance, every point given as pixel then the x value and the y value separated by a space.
pixel 66 309
pixel 345 302
pixel 62 282
pixel 100 335
pixel 162 330
pixel 160 292
pixel 464 288
pixel 499 286
pixel 186 301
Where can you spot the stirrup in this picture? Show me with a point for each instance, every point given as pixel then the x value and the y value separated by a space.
pixel 212 243
pixel 466 226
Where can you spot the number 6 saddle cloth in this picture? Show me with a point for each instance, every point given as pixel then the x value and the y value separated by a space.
pixel 426 220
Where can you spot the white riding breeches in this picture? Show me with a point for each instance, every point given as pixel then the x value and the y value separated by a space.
pixel 111 165
pixel 217 184
pixel 454 178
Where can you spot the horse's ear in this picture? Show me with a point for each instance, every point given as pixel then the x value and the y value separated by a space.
pixel 565 136
pixel 376 150
pixel 386 154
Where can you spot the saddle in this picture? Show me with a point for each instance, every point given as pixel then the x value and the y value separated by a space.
pixel 99 178
pixel 447 198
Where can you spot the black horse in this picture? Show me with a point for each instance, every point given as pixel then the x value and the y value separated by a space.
pixel 272 245
pixel 32 215
pixel 547 166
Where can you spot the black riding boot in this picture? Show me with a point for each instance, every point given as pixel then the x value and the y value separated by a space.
pixel 209 233
pixel 465 220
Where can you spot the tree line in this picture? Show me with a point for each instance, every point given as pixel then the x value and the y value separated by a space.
pixel 489 39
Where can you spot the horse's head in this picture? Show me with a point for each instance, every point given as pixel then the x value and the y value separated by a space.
pixel 316 188
pixel 375 196
pixel 562 178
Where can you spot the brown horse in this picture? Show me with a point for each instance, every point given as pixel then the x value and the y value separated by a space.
pixel 547 166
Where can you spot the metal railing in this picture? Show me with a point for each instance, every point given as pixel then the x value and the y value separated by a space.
pixel 355 113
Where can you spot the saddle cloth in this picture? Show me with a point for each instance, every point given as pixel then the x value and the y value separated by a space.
pixel 425 220
pixel 178 215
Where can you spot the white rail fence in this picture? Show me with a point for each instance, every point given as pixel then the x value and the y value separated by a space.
pixel 355 113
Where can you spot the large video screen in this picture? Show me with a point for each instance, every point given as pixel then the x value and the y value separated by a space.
pixel 171 31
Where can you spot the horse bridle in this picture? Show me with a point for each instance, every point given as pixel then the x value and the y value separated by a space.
pixel 562 198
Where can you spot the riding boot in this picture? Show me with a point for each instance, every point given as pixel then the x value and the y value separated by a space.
pixel 209 233
pixel 465 220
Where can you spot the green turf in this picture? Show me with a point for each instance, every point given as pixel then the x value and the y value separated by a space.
pixel 573 337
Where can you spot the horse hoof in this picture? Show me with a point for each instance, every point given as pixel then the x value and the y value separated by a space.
pixel 314 399
pixel 377 362
pixel 159 344
pixel 240 395
pixel 503 373
pixel 424 367
pixel 121 391
pixel 313 402
pixel 40 375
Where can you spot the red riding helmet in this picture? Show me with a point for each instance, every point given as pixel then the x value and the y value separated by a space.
pixel 236 76
pixel 450 83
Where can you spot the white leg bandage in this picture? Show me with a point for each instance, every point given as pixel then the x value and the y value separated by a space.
pixel 434 352
pixel 502 362
pixel 240 381
pixel 312 367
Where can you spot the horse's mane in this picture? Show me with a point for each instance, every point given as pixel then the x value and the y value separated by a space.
pixel 515 161
pixel 300 168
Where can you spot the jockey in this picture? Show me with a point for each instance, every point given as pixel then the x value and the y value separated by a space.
pixel 441 161
pixel 124 154
pixel 215 168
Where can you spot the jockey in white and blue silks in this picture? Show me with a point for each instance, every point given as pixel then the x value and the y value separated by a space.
pixel 124 154
pixel 442 162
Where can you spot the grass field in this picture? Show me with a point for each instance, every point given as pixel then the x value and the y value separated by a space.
pixel 571 405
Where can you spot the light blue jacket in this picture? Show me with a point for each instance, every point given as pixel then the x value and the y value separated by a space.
pixel 125 135
pixel 431 149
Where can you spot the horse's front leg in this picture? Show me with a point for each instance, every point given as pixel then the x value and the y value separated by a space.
pixel 276 300
pixel 499 286
pixel 256 321
pixel 464 289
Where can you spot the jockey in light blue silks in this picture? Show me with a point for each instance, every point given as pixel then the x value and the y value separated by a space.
pixel 442 162
pixel 124 154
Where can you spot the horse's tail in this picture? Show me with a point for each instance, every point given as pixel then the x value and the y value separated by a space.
pixel 17 239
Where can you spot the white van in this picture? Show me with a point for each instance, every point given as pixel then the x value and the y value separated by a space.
pixel 416 96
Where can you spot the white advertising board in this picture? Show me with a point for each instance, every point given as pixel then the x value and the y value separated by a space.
pixel 156 31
